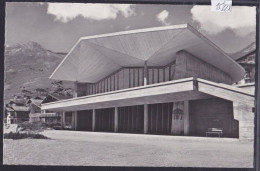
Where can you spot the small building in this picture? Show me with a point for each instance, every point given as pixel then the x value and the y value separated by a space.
pixel 16 110
pixel 246 58
pixel 166 80
pixel 49 116
pixel 17 114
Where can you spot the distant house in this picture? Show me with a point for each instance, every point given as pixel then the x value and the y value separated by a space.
pixel 246 58
pixel 17 114
pixel 49 116
pixel 248 63
pixel 17 111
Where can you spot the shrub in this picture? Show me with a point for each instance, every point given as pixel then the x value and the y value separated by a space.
pixel 36 126
pixel 17 135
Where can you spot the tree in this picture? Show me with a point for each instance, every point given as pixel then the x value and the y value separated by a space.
pixel 58 88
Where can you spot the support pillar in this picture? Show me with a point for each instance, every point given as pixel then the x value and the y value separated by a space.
pixel 186 118
pixel 116 120
pixel 93 120
pixel 145 118
pixel 75 92
pixel 74 120
pixel 62 120
pixel 145 73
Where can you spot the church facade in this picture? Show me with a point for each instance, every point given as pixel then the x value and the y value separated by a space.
pixel 166 80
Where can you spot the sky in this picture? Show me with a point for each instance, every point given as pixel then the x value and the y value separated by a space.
pixel 58 26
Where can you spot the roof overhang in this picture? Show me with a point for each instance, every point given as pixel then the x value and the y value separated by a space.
pixel 94 57
pixel 172 91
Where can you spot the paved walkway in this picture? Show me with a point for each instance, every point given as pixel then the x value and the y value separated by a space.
pixel 114 149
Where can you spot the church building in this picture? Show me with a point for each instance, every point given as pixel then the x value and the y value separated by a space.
pixel 168 80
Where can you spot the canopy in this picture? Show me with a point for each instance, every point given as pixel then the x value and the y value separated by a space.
pixel 94 57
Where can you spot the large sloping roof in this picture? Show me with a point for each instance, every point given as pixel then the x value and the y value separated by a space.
pixel 94 57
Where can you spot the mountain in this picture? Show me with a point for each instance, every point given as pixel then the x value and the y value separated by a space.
pixel 28 67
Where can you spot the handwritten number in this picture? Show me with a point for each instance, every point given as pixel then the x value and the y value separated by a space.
pixel 223 7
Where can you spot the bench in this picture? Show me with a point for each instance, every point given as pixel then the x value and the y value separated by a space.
pixel 218 131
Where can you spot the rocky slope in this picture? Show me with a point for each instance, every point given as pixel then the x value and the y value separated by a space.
pixel 28 66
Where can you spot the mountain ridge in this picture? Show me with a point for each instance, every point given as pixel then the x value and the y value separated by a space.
pixel 28 67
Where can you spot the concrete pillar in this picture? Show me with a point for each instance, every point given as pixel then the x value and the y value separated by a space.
pixel 145 73
pixel 75 92
pixel 73 121
pixel 145 118
pixel 116 120
pixel 63 119
pixel 186 118
pixel 93 120
pixel 76 120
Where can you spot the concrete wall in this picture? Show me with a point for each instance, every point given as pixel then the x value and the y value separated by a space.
pixel 188 65
pixel 245 116
pixel 248 87
pixel 80 89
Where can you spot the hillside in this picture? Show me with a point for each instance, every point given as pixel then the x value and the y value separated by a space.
pixel 28 66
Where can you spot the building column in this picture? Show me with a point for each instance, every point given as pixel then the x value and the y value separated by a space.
pixel 93 120
pixel 145 118
pixel 186 118
pixel 75 92
pixel 145 73
pixel 63 120
pixel 116 120
pixel 76 120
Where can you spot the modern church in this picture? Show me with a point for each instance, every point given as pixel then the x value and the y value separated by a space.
pixel 167 80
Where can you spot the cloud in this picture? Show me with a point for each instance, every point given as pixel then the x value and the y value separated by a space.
pixel 65 12
pixel 162 16
pixel 242 20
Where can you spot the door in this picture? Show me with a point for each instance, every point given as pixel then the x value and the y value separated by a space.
pixel 177 118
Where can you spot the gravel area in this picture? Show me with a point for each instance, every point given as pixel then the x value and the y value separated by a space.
pixel 115 149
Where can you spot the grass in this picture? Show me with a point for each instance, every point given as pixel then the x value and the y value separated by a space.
pixel 17 135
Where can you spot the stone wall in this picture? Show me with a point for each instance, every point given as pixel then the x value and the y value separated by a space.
pixel 244 114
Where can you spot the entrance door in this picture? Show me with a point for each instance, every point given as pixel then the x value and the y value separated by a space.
pixel 177 118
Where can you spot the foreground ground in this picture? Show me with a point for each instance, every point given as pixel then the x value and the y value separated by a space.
pixel 110 149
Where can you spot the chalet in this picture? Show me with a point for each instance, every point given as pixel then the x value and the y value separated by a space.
pixel 16 110
pixel 166 80
pixel 17 114
pixel 248 63
pixel 53 116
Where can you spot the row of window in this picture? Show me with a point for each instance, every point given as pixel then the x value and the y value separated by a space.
pixel 129 77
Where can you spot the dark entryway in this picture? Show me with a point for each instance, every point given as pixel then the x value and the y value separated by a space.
pixel 160 118
pixel 105 120
pixel 212 113
pixel 85 120
pixel 131 119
